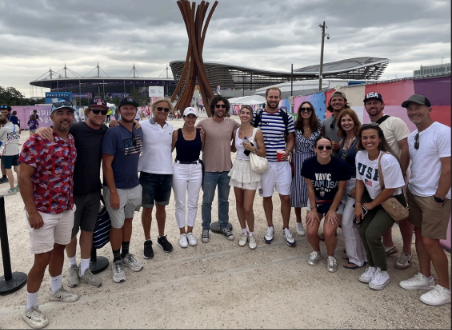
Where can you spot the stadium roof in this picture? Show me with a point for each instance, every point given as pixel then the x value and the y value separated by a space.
pixel 242 77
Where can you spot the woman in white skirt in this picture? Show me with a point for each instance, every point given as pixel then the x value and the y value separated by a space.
pixel 187 175
pixel 244 180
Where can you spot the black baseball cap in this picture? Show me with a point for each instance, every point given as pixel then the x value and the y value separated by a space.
pixel 128 100
pixel 419 99
pixel 373 96
pixel 98 101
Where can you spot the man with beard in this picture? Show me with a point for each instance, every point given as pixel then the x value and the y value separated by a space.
pixel 396 134
pixel 337 103
pixel 121 148
pixel 46 184
pixel 217 159
pixel 278 129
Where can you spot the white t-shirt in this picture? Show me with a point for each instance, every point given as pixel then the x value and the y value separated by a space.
pixel 156 157
pixel 138 115
pixel 394 130
pixel 367 172
pixel 10 132
pixel 434 143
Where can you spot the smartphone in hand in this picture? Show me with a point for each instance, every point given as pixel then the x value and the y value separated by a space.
pixel 364 210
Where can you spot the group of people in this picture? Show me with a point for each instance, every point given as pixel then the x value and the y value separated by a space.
pixel 342 170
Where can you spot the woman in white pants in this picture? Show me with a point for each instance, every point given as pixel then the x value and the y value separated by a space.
pixel 348 129
pixel 187 175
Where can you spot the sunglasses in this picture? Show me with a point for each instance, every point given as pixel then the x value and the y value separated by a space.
pixel 218 106
pixel 3 107
pixel 103 112
pixel 305 109
pixel 326 147
pixel 161 109
pixel 416 141
pixel 61 104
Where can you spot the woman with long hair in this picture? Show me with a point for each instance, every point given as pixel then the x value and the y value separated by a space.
pixel 348 130
pixel 307 129
pixel 373 220
pixel 325 178
pixel 245 181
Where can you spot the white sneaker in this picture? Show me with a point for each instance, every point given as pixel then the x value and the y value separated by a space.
pixel 133 264
pixel 314 258
pixel 63 295
pixel 183 241
pixel 290 240
pixel 268 238
pixel 119 275
pixel 10 192
pixel 368 274
pixel 380 280
pixel 243 239
pixel 191 239
pixel 34 318
pixel 252 242
pixel 300 229
pixel 437 296
pixel 418 282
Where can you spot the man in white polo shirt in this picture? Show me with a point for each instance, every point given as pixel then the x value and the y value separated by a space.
pixel 156 173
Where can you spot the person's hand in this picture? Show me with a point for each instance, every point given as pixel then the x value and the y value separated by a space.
pixel 359 213
pixel 285 156
pixel 248 146
pixel 114 200
pixel 353 193
pixel 331 218
pixel 137 124
pixel 35 220
pixel 113 123
pixel 45 133
pixel 335 145
pixel 312 217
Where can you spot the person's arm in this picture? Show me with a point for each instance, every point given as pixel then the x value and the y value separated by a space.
pixel 45 133
pixel 444 179
pixel 233 148
pixel 359 191
pixel 26 191
pixel 259 139
pixel 331 216
pixel 312 214
pixel 107 160
pixel 404 155
pixel 290 141
pixel 202 132
pixel 382 196
pixel 174 140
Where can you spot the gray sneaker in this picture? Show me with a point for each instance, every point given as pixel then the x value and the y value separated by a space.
pixel 314 258
pixel 72 279
pixel 63 296
pixel 404 261
pixel 331 264
pixel 90 279
pixel 205 236
pixel 34 318
pixel 119 275
pixel 130 261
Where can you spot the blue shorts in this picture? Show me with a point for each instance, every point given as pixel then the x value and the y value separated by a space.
pixel 9 161
pixel 156 189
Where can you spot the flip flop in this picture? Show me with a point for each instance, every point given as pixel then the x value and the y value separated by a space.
pixel 354 266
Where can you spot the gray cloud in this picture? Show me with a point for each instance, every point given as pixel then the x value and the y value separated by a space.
pixel 38 34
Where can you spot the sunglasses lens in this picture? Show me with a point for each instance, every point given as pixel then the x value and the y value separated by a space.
pixel 218 106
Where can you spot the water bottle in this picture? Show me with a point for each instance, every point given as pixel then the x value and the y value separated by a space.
pixel 245 140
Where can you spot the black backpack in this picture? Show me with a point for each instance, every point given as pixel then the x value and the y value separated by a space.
pixel 282 113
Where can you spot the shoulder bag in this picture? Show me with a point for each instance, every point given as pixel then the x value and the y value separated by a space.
pixel 396 206
pixel 258 164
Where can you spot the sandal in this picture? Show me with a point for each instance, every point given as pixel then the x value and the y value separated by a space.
pixel 351 265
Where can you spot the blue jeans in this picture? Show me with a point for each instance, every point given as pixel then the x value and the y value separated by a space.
pixel 211 180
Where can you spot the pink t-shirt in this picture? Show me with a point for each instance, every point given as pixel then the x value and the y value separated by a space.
pixel 217 146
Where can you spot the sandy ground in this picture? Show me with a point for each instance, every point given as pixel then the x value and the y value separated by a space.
pixel 221 285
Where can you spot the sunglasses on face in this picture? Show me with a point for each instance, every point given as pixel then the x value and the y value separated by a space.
pixel 218 106
pixel 416 141
pixel 326 147
pixel 103 112
pixel 161 109
pixel 64 103
pixel 305 109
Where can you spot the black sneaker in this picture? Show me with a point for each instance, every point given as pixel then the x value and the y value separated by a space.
pixel 148 252
pixel 3 180
pixel 227 233
pixel 164 244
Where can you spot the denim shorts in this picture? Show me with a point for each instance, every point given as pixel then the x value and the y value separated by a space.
pixel 156 189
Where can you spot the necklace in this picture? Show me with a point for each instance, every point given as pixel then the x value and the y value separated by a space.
pixel 350 142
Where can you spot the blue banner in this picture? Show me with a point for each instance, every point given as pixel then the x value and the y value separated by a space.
pixel 52 97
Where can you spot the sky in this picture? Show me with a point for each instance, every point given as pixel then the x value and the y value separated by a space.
pixel 36 35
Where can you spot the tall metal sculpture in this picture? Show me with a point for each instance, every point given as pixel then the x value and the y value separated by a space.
pixel 194 69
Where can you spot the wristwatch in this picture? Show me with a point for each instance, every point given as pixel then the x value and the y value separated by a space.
pixel 438 200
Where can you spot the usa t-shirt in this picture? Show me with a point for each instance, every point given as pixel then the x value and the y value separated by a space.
pixel 325 178
pixel 273 129
pixel 367 172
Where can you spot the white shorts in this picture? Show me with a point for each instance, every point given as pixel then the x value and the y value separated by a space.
pixel 57 229
pixel 245 185
pixel 279 177
pixel 129 202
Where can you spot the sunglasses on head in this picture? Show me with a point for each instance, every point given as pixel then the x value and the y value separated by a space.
pixel 306 109
pixel 161 109
pixel 416 141
pixel 218 106
pixel 61 104
pixel 324 147
pixel 3 107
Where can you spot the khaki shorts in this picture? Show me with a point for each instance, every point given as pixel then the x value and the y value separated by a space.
pixel 129 202
pixel 427 215
pixel 57 229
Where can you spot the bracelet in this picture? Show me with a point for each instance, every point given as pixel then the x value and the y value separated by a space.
pixel 438 200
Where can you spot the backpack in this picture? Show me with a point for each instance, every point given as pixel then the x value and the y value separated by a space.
pixel 282 113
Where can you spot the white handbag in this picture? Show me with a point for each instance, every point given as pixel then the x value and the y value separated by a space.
pixel 258 164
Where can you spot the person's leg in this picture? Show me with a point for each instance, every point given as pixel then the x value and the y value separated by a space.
pixel 297 211
pixel 239 204
pixel 10 176
pixel 162 197
pixel 223 199
pixel 17 170
pixel 268 182
pixel 160 215
pixel 387 239
pixel 56 260
pixel 285 209
pixel 439 260
pixel 406 230
pixel 180 187
pixel 330 237
pixel 149 186
pixel 193 188
pixel 312 231
pixel 283 185
pixel 363 226
pixel 248 208
pixel 127 230
pixel 36 273
pixel 146 220
pixel 209 186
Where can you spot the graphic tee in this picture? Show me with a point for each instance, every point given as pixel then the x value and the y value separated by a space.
pixel 325 178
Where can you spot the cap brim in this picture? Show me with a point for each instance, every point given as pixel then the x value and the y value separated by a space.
pixel 372 98
pixel 136 105
pixel 96 105
pixel 70 108
pixel 405 103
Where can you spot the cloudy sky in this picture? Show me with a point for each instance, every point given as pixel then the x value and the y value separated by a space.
pixel 36 35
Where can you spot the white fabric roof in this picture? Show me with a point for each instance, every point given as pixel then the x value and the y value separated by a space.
pixel 248 100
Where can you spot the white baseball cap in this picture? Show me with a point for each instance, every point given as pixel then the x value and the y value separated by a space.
pixel 190 110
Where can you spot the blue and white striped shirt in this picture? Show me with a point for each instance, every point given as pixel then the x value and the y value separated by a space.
pixel 273 129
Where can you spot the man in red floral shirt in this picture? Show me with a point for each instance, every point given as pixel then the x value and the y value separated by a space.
pixel 46 182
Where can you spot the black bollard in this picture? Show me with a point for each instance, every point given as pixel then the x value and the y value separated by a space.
pixel 97 264
pixel 10 282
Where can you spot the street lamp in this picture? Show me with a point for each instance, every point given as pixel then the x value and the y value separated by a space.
pixel 323 27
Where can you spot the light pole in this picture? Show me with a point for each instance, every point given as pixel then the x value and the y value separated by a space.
pixel 323 27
